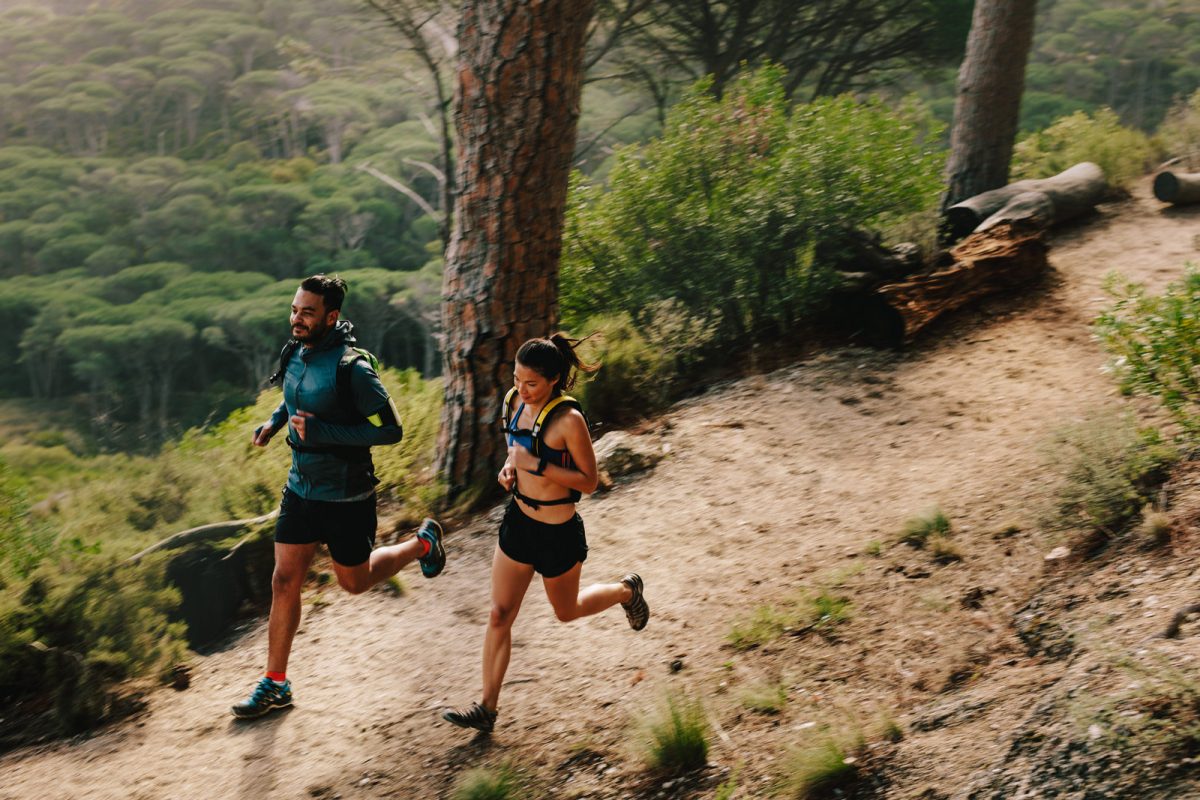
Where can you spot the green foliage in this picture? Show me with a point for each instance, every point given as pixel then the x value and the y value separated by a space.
pixel 73 632
pixel 1155 342
pixel 919 529
pixel 829 610
pixel 1109 469
pixel 678 736
pixel 1123 153
pixel 765 698
pixel 499 783
pixel 816 770
pixel 724 212
pixel 642 368
pixel 1180 132
pixel 503 782
pixel 763 626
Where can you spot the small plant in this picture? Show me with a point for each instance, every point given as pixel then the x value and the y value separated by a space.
pixel 829 610
pixel 917 530
pixel 943 550
pixel 1109 469
pixel 1156 527
pixel 889 729
pixel 874 548
pixel 497 783
pixel 819 769
pixel 678 737
pixel 765 698
pixel 765 625
pixel 394 586
pixel 728 788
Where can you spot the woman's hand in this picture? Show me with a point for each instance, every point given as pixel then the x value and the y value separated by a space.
pixel 520 458
pixel 507 476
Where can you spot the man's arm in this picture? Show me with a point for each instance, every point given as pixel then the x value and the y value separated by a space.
pixel 264 432
pixel 372 401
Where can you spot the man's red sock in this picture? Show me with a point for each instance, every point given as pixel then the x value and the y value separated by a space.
pixel 278 677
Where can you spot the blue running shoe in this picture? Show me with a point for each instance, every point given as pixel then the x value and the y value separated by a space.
pixel 267 696
pixel 433 562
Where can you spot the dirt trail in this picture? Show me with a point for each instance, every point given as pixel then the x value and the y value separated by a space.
pixel 771 485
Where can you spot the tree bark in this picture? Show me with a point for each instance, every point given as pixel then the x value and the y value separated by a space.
pixel 1005 257
pixel 520 72
pixel 1050 200
pixel 990 83
pixel 1180 188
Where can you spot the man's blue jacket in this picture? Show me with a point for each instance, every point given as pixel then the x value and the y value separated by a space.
pixel 332 463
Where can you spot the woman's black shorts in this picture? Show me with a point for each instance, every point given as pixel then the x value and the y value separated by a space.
pixel 550 549
pixel 347 529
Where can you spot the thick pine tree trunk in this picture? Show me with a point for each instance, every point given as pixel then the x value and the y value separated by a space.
pixel 990 83
pixel 520 71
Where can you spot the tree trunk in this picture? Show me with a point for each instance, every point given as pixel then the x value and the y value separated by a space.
pixel 1179 188
pixel 1042 201
pixel 990 84
pixel 1002 258
pixel 520 71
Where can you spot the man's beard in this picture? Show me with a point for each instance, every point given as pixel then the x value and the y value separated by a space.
pixel 311 335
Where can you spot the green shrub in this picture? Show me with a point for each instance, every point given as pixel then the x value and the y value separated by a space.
pixel 642 368
pixel 1109 469
pixel 765 698
pixel 1180 132
pixel 764 625
pixel 829 610
pixel 819 769
pixel 73 632
pixel 678 737
pixel 918 530
pixel 725 211
pixel 498 783
pixel 1123 153
pixel 1155 342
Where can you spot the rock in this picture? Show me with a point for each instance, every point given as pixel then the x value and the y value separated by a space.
pixel 619 454
pixel 677 665
pixel 1042 635
pixel 1057 554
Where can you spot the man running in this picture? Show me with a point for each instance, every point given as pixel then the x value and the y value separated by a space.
pixel 336 409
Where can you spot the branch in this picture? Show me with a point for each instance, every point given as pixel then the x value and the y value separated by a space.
pixel 400 187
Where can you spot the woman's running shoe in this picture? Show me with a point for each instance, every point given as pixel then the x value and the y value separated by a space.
pixel 433 562
pixel 267 696
pixel 636 609
pixel 477 716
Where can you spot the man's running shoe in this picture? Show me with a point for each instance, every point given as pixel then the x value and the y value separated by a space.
pixel 636 609
pixel 478 716
pixel 268 695
pixel 433 562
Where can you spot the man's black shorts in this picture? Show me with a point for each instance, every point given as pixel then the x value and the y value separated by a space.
pixel 551 549
pixel 348 529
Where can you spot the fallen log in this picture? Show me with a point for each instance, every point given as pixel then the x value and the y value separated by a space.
pixel 213 532
pixel 1066 195
pixel 1179 188
pixel 1005 256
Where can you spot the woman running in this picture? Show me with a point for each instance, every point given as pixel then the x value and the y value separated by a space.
pixel 550 465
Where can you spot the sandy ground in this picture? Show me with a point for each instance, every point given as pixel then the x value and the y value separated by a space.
pixel 772 488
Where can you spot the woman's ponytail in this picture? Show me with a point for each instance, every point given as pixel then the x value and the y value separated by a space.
pixel 556 356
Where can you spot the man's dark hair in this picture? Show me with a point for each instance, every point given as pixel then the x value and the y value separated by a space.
pixel 331 288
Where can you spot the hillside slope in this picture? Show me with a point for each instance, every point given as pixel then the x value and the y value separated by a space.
pixel 772 487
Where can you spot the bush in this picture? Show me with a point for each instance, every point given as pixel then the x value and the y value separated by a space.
pixel 918 530
pixel 678 738
pixel 500 783
pixel 642 369
pixel 1180 132
pixel 1109 470
pixel 819 769
pixel 1123 153
pixel 764 625
pixel 1155 342
pixel 71 634
pixel 725 211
